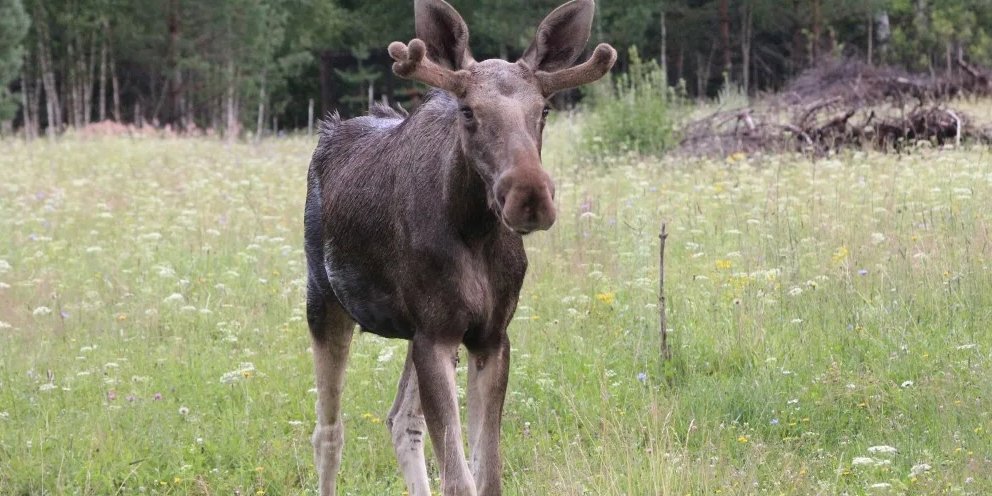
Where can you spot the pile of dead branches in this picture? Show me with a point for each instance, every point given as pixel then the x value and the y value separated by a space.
pixel 847 104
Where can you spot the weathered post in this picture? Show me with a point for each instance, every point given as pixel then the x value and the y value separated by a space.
pixel 310 119
pixel 666 352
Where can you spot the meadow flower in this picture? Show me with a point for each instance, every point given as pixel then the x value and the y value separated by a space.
pixel 244 371
pixel 4 266
pixel 386 354
pixel 641 376
pixel 906 384
pixel 40 311
pixel 174 298
pixel 4 325
pixel 795 291
pixel 862 272
pixel 882 449
pixel 919 469
pixel 111 395
pixel 606 298
pixel 881 485
pixel 862 461
pixel 724 264
pixel 184 410
pixel 840 255
pixel 46 387
pixel 877 238
pixel 158 396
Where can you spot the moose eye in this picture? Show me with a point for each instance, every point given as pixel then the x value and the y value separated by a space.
pixel 467 112
pixel 546 111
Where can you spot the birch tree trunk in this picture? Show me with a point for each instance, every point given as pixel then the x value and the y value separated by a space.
pixel 102 102
pixel 28 124
pixel 232 127
pixel 664 48
pixel 115 87
pixel 52 106
pixel 747 27
pixel 725 37
pixel 260 124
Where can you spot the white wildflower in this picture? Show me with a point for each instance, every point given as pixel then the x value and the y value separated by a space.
pixel 386 354
pixel 94 249
pixel 295 423
pixel 877 238
pixel 970 346
pixel 919 468
pixel 174 298
pixel 184 410
pixel 244 371
pixel 4 266
pixel 4 325
pixel 906 384
pixel 881 485
pixel 862 461
pixel 883 449
pixel 4 415
pixel 41 311
pixel 111 365
pixel 46 387
pixel 795 291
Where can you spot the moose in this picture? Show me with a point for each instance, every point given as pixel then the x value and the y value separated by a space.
pixel 413 229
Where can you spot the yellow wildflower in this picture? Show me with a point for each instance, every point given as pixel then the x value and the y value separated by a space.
pixel 724 264
pixel 840 255
pixel 606 298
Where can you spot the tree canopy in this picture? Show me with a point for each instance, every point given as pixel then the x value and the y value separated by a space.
pixel 230 65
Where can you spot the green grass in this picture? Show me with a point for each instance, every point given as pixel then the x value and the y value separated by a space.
pixel 165 264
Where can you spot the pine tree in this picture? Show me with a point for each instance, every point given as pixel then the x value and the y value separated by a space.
pixel 14 23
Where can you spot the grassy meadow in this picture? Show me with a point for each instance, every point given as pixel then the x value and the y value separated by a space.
pixel 829 322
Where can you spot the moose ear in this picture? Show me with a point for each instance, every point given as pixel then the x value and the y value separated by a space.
pixel 561 37
pixel 444 32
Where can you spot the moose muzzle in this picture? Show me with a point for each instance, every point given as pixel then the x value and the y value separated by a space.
pixel 525 196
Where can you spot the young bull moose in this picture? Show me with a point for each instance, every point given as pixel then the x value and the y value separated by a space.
pixel 413 230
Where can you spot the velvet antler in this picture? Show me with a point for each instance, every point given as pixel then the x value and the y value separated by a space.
pixel 412 63
pixel 597 66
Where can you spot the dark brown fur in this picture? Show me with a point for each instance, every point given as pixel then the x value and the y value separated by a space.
pixel 413 230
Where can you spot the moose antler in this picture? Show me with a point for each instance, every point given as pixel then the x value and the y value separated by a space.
pixel 599 64
pixel 412 63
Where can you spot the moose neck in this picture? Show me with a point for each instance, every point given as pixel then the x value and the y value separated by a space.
pixel 467 198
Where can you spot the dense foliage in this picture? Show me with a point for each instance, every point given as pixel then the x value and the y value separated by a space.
pixel 13 27
pixel 630 111
pixel 230 64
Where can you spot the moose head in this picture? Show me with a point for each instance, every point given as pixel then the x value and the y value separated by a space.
pixel 503 105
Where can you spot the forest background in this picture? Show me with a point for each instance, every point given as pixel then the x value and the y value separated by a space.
pixel 231 66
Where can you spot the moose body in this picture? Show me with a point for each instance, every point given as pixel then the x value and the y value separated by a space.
pixel 413 230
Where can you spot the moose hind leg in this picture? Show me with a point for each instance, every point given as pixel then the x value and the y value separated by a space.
pixel 331 330
pixel 408 428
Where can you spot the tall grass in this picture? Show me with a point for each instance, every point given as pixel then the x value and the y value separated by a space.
pixel 630 112
pixel 153 339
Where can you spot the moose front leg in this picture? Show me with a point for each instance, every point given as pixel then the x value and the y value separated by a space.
pixel 488 372
pixel 435 366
